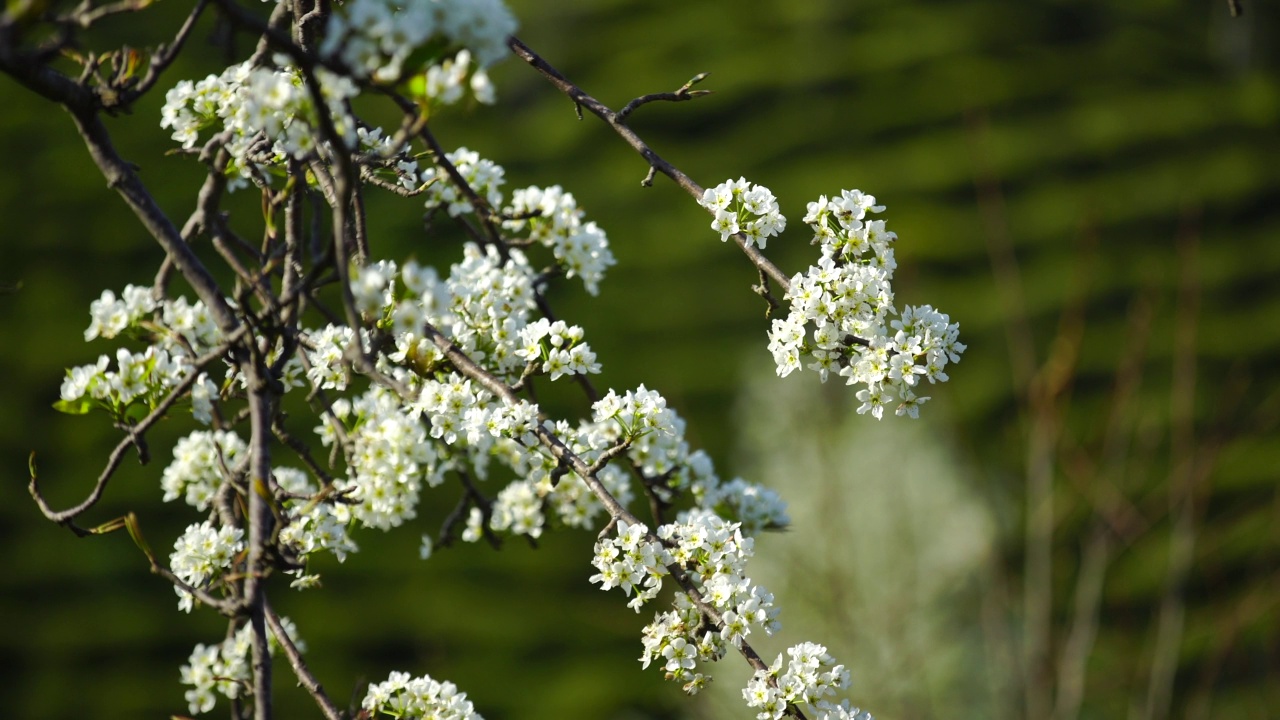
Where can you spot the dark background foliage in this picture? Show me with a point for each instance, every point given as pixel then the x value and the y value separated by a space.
pixel 1082 139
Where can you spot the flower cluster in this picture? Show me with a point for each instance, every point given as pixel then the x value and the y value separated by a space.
pixel 553 219
pixel 716 552
pixel 144 376
pixel 328 348
pixel 666 454
pixel 179 330
pixel 375 38
pixel 754 507
pixel 189 326
pixel 713 555
pixel 637 412
pixel 847 298
pixel 631 561
pixel 181 324
pixel 268 113
pixel 811 676
pixel 388 458
pixel 743 207
pixel 558 347
pixel 200 461
pixel 550 216
pixel 225 668
pixel 489 300
pixel 110 316
pixel 840 309
pixel 484 177
pixel 409 698
pixel 201 554
pixel 312 526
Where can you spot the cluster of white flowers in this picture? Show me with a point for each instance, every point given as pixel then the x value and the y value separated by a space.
pixel 484 306
pixel 743 207
pixel 714 554
pixel 753 506
pixel 182 325
pixel 388 459
pixel 812 675
pixel 483 176
pixel 840 309
pixel 142 376
pixel 190 325
pixel 553 219
pixel 523 506
pixel 225 667
pixel 631 561
pixel 376 37
pixel 550 215
pixel 490 300
pixel 311 526
pixel 201 554
pixel 409 698
pixel 268 112
pixel 847 298
pixel 178 328
pixel 110 316
pixel 390 155
pixel 198 464
pixel 270 116
pixel 328 347
pixel 558 347
pixel 637 412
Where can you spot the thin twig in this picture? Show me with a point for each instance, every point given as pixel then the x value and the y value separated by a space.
pixel 686 92
pixel 1181 493
pixel 1084 625
pixel 65 517
pixel 299 665
pixel 164 56
pixel 600 110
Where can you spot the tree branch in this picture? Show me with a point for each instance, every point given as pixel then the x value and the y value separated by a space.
pixel 656 163
pixel 305 678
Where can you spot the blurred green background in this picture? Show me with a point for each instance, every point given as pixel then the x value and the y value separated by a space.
pixel 1091 189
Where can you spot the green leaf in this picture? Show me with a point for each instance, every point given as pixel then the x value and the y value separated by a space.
pixel 135 413
pixel 74 407
pixel 135 531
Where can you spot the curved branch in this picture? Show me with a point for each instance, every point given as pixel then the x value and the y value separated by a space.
pixel 65 517
pixel 656 163
pixel 121 177
pixel 305 678
pixel 164 56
